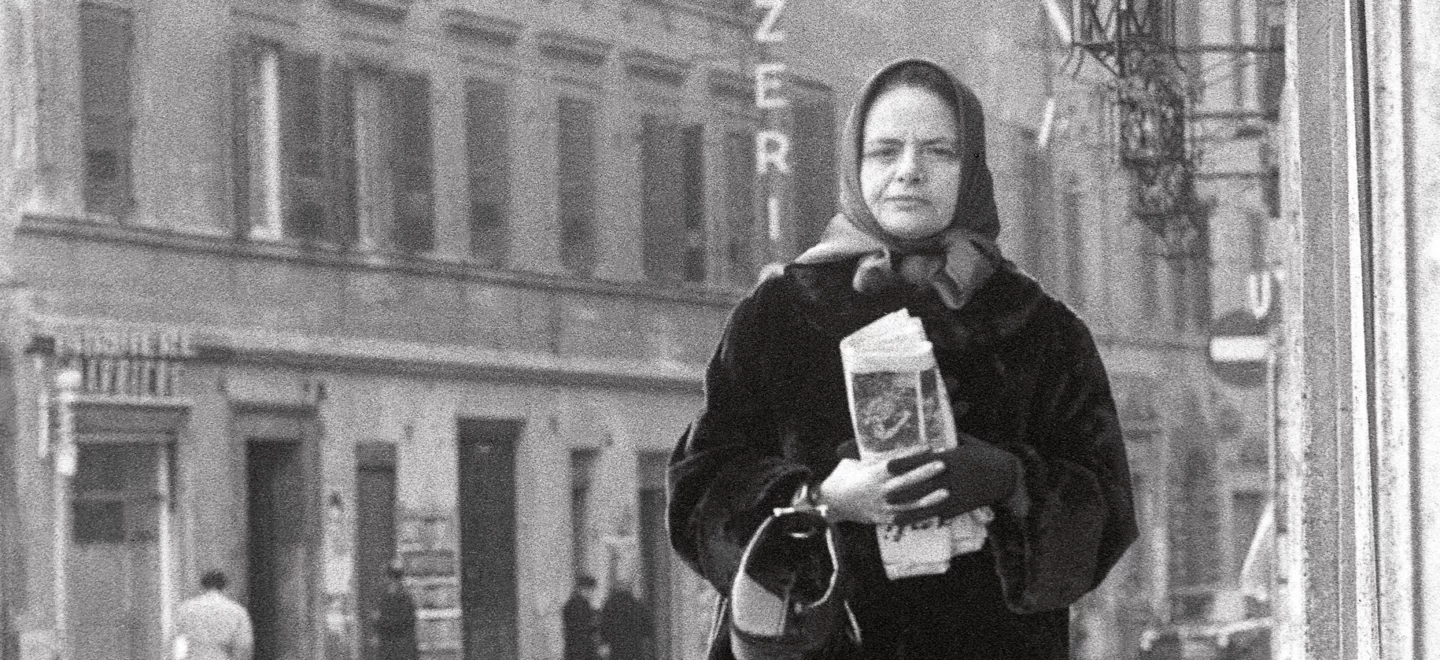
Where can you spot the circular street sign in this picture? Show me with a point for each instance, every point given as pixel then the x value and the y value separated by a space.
pixel 1239 349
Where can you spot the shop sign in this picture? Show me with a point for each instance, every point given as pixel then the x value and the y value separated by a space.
pixel 772 144
pixel 1240 349
pixel 124 362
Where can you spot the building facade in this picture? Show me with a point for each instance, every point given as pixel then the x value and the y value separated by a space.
pixel 296 289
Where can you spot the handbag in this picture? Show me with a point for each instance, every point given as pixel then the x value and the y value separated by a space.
pixel 788 598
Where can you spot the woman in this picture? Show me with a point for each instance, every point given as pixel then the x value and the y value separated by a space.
pixel 1041 443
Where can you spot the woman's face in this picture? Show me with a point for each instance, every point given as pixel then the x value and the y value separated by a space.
pixel 910 162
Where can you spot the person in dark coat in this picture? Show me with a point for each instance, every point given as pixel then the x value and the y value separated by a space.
pixel 625 626
pixel 578 619
pixel 1040 442
pixel 395 620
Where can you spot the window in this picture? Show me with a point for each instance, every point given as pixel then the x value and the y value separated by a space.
pixel 577 186
pixel 1149 266
pixel 672 180
pixel 411 172
pixel 1272 71
pixel 324 151
pixel 1195 551
pixel 1191 281
pixel 106 49
pixel 488 165
pixel 814 166
pixel 117 492
pixel 1247 507
pixel 1036 199
pixel 1074 245
pixel 302 147
pixel 294 146
pixel 743 247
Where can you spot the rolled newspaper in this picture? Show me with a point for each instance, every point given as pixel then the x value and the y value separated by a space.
pixel 898 402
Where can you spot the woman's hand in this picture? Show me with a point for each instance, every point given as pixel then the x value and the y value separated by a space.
pixel 856 492
pixel 972 475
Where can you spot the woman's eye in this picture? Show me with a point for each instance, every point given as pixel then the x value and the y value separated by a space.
pixel 943 152
pixel 881 152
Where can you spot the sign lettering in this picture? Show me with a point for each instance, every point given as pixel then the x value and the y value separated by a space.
pixel 766 33
pixel 772 144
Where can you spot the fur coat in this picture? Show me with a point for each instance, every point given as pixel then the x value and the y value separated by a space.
pixel 1023 373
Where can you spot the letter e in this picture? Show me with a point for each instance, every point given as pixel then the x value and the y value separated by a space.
pixel 767 81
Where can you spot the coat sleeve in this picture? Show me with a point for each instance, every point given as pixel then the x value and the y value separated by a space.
pixel 727 470
pixel 1081 514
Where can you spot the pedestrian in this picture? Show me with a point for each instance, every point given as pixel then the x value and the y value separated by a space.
pixel 578 618
pixel 211 626
pixel 394 619
pixel 1040 442
pixel 625 625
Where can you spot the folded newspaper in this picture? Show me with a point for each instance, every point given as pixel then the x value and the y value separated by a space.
pixel 897 402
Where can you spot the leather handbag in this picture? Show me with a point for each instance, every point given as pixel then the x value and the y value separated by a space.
pixel 788 599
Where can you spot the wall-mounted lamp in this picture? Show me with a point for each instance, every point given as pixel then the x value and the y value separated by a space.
pixel 68 382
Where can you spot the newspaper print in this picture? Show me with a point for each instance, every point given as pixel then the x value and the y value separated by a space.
pixel 897 402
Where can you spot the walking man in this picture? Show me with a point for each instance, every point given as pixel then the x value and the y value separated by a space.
pixel 211 626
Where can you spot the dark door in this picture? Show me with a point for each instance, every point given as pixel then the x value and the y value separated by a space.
pixel 278 555
pixel 655 549
pixel 487 537
pixel 374 529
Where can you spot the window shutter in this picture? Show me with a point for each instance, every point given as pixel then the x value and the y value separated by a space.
pixel 488 163
pixel 576 151
pixel 411 164
pixel 343 221
pixel 741 229
pixel 106 47
pixel 814 165
pixel 242 68
pixel 302 147
pixel 664 202
pixel 692 165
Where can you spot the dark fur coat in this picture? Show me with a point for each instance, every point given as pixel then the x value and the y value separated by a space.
pixel 1023 373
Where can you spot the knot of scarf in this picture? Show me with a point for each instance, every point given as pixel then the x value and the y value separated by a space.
pixel 954 269
pixel 952 273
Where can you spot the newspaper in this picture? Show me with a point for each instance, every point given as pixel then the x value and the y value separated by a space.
pixel 898 401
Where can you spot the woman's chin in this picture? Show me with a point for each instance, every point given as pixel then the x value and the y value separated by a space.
pixel 911 226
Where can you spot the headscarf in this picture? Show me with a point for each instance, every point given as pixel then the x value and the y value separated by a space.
pixel 954 261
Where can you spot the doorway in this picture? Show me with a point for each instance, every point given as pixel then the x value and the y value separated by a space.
pixel 375 532
pixel 655 564
pixel 278 506
pixel 487 537
pixel 118 520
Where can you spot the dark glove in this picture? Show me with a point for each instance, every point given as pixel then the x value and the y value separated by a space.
pixel 976 474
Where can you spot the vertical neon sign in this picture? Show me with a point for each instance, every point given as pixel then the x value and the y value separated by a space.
pixel 772 143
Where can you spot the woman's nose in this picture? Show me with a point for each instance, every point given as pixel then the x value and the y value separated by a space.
pixel 908 167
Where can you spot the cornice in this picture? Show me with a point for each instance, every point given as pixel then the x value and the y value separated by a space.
pixel 467 25
pixel 656 67
pixel 330 256
pixel 389 10
pixel 573 48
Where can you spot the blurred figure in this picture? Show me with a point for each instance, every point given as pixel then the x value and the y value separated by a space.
pixel 578 618
pixel 625 626
pixel 211 626
pixel 394 620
